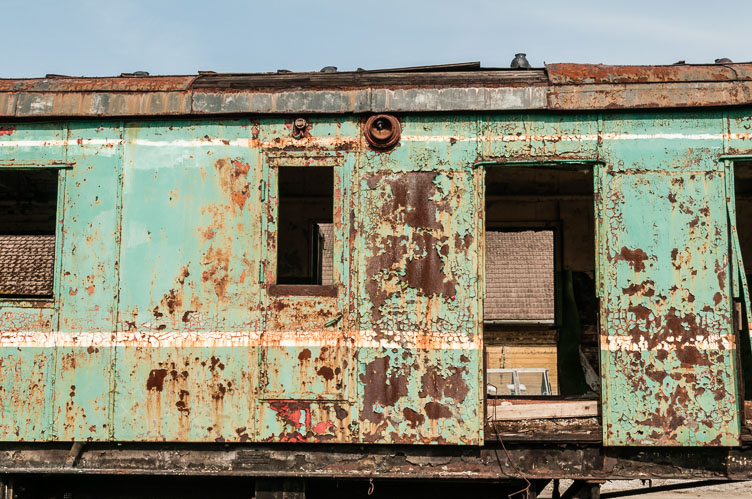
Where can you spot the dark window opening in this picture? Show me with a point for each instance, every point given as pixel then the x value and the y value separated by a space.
pixel 743 201
pixel 28 207
pixel 305 225
pixel 540 310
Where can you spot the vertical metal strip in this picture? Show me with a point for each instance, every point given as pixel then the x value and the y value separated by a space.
pixel 480 188
pixel 598 170
pixel 120 179
pixel 57 290
pixel 728 178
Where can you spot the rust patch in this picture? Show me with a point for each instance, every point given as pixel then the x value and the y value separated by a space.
pixel 720 271
pixel 414 418
pixel 381 388
pixel 641 312
pixel 635 258
pixel 304 355
pixel 326 372
pixel 156 379
pixel 436 386
pixel 215 362
pixel 242 433
pixel 645 288
pixel 435 410
pixel 415 261
pixel 7 130
pixel 182 404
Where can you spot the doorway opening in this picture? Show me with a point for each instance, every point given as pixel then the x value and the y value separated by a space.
pixel 540 317
pixel 743 202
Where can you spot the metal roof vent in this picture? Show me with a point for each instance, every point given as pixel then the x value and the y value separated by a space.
pixel 329 69
pixel 519 62
pixel 723 60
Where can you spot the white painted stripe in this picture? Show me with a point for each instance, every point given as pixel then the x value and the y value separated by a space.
pixel 335 141
pixel 624 343
pixel 433 340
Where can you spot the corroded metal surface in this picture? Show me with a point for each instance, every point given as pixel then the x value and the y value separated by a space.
pixel 585 74
pixel 165 324
pixel 558 87
pixel 668 350
pixel 491 462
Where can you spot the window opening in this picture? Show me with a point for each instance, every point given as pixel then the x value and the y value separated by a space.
pixel 540 310
pixel 28 207
pixel 305 225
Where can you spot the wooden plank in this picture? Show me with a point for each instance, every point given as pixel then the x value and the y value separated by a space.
pixel 552 410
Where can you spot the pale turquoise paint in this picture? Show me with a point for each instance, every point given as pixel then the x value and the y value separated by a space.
pixel 650 397
pixel 169 201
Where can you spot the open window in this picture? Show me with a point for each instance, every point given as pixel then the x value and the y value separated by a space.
pixel 540 310
pixel 28 205
pixel 305 256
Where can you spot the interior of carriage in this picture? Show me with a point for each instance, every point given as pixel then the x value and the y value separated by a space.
pixel 540 310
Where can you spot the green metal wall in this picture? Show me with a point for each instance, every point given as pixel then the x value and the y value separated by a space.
pixel 163 326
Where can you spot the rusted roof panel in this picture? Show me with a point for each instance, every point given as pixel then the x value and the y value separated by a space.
pixel 359 79
pixel 104 84
pixel 462 87
pixel 581 74
pixel 649 95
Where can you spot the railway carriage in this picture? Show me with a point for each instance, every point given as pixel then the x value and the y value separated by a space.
pixel 378 274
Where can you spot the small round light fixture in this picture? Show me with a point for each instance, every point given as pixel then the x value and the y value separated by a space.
pixel 299 127
pixel 382 131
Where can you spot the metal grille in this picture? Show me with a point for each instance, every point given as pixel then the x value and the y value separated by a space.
pixel 519 276
pixel 26 265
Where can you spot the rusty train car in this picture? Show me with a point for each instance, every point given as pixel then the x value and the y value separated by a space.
pixel 443 272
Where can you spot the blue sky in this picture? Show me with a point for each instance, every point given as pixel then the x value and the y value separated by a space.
pixel 97 38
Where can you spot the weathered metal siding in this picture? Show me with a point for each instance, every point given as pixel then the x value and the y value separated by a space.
pixel 416 245
pixel 164 326
pixel 308 348
pixel 668 352
pixel 188 310
pixel 27 368
pixel 87 281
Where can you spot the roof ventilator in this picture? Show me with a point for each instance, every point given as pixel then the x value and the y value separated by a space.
pixel 519 62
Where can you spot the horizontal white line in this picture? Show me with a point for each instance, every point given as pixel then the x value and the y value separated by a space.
pixel 334 141
pixel 181 339
pixel 624 343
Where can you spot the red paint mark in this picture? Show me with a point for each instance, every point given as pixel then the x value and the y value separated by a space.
pixel 242 277
pixel 322 427
pixel 7 130
pixel 72 292
pixel 240 167
pixel 90 289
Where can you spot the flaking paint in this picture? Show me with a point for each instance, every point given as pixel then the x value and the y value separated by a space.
pixel 164 324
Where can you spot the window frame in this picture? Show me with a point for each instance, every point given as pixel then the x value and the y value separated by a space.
pixel 270 218
pixel 44 302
